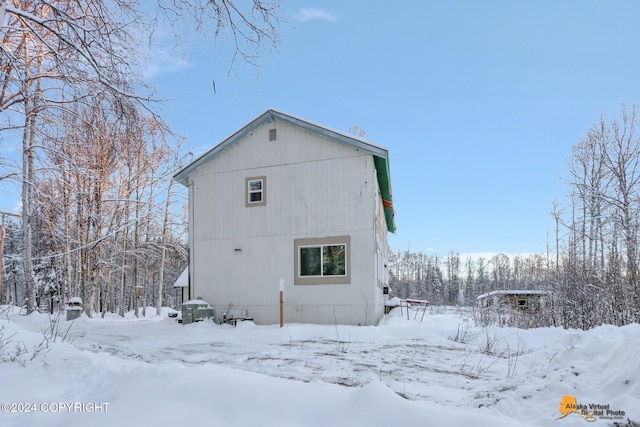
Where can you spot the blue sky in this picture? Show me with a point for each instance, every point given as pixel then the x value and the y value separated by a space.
pixel 478 102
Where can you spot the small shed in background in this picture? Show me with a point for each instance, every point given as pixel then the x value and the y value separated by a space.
pixel 517 299
pixel 181 286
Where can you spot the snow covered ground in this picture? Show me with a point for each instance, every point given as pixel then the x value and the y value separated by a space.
pixel 442 371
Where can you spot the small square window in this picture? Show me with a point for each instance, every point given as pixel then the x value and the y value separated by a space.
pixel 272 134
pixel 256 191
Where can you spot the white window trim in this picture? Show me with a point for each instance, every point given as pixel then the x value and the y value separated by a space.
pixel 346 266
pixel 248 192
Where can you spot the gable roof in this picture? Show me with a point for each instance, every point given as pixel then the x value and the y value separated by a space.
pixel 380 154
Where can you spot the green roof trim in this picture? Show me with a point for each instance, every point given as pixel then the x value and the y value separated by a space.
pixel 380 154
pixel 384 182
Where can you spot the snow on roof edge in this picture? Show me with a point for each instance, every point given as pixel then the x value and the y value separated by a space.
pixel 183 280
pixel 512 292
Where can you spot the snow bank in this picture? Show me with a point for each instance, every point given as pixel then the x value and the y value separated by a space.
pixel 120 371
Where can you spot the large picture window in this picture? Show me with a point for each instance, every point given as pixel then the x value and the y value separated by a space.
pixel 322 260
pixel 256 191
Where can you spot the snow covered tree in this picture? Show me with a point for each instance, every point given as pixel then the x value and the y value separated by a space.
pixel 597 264
pixel 59 53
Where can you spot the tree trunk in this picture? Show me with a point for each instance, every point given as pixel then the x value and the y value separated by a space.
pixel 165 227
pixel 28 179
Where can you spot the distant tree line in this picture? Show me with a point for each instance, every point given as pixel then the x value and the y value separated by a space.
pixel 451 280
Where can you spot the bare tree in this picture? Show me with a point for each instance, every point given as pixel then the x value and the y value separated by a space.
pixel 114 168
pixel 250 26
pixel 59 52
pixel 598 268
pixel 165 244
pixel 622 160
pixel 454 287
pixel 501 271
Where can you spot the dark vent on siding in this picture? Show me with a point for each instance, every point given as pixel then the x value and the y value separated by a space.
pixel 272 134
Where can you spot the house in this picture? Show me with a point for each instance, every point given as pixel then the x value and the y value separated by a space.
pixel 526 300
pixel 284 198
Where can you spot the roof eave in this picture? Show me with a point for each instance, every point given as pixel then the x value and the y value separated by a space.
pixel 182 175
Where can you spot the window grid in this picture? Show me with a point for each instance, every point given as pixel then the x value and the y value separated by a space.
pixel 256 191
